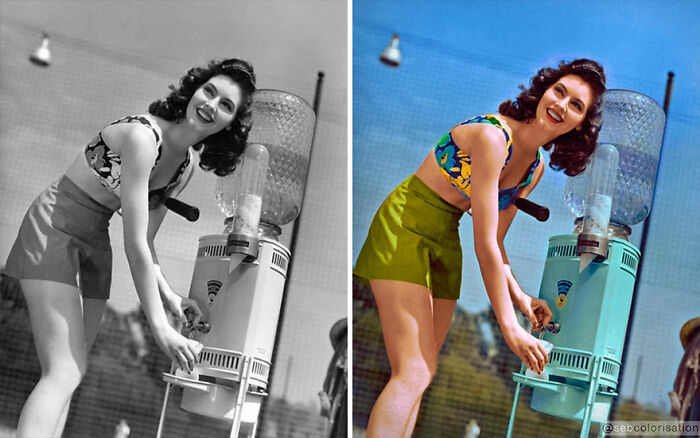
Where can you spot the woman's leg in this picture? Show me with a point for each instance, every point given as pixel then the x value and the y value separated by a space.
pixel 93 309
pixel 442 317
pixel 57 325
pixel 406 315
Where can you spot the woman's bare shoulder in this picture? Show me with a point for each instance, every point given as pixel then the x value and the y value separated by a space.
pixel 481 139
pixel 122 137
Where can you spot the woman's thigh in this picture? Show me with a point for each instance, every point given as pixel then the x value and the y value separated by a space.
pixel 442 318
pixel 56 318
pixel 93 309
pixel 406 315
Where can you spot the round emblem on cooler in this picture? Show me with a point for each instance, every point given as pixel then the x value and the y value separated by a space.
pixel 213 287
pixel 561 301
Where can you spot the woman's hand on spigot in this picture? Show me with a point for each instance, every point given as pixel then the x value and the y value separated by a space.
pixel 526 347
pixel 537 311
pixel 191 311
pixel 182 309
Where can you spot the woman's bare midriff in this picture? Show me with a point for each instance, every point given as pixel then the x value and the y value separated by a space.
pixel 82 176
pixel 429 173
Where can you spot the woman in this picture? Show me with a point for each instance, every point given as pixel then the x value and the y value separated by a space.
pixel 134 164
pixel 412 256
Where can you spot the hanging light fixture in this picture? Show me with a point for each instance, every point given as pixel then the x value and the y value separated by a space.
pixel 391 56
pixel 41 55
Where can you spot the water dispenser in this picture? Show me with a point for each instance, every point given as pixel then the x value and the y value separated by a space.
pixel 239 275
pixel 589 276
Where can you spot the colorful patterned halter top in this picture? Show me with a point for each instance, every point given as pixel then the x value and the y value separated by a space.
pixel 455 164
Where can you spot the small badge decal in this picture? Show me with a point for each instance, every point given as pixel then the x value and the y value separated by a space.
pixel 563 287
pixel 213 287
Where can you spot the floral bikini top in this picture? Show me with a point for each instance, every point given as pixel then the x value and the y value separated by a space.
pixel 106 164
pixel 455 165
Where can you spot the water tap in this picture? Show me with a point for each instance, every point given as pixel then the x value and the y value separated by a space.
pixel 552 327
pixel 202 326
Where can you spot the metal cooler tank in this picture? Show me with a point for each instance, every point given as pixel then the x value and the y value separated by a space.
pixel 589 276
pixel 239 276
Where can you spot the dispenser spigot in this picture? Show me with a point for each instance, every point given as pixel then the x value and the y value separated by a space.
pixel 552 327
pixel 202 326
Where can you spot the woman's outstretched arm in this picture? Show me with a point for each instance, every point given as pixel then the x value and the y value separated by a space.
pixel 537 311
pixel 486 146
pixel 174 303
pixel 137 148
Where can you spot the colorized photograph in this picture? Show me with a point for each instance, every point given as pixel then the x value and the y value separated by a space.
pixel 524 241
pixel 173 230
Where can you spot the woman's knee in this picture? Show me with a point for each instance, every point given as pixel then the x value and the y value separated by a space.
pixel 65 375
pixel 416 374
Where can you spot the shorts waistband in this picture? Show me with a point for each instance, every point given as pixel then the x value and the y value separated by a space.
pixel 80 196
pixel 414 184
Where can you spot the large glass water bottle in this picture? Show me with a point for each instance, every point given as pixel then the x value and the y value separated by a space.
pixel 284 124
pixel 634 124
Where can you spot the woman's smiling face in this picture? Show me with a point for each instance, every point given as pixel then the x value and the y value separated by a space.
pixel 214 105
pixel 564 105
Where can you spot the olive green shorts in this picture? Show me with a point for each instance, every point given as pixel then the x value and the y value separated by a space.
pixel 414 237
pixel 64 237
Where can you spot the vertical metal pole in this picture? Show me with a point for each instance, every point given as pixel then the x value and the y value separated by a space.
pixel 285 391
pixel 643 243
pixel 669 92
pixel 295 232
pixel 295 228
pixel 636 377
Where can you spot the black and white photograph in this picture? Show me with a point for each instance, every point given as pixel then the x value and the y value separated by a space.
pixel 173 230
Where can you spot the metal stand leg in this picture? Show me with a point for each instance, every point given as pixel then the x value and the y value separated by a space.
pixel 165 404
pixel 255 429
pixel 240 400
pixel 162 412
pixel 593 389
pixel 512 411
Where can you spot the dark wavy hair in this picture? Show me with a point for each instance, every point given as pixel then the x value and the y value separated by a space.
pixel 220 151
pixel 573 149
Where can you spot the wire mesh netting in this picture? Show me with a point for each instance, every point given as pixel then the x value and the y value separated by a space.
pixel 46 114
pixel 397 115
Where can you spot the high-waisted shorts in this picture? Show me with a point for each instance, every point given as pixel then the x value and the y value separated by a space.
pixel 64 237
pixel 414 237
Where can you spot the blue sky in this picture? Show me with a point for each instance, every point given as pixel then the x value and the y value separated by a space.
pixel 640 38
pixel 463 58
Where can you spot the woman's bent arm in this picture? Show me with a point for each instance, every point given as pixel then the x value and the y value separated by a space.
pixel 138 152
pixel 174 303
pixel 536 310
pixel 487 151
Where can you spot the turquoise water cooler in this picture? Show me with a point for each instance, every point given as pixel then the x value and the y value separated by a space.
pixel 589 276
